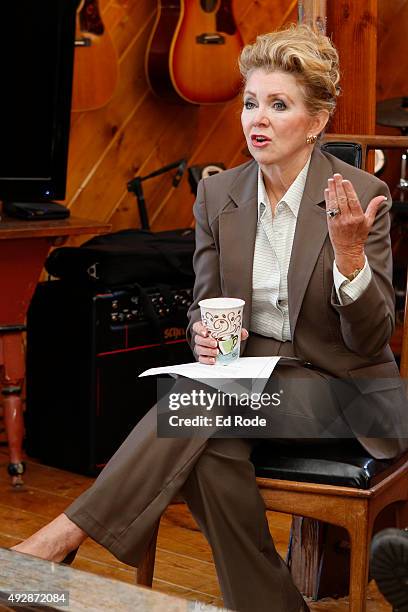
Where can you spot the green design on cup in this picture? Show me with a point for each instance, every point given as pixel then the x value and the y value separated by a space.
pixel 226 344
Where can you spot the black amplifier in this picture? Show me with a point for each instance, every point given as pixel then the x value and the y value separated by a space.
pixel 85 351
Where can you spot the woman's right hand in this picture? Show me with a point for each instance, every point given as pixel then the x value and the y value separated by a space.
pixel 205 346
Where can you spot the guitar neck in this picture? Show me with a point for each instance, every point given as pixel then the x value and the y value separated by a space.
pixel 314 14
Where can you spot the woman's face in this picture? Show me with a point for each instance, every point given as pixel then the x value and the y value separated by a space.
pixel 275 120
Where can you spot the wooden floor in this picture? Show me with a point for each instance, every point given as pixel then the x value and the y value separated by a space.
pixel 184 565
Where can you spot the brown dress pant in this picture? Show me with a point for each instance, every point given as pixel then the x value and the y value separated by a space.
pixel 217 480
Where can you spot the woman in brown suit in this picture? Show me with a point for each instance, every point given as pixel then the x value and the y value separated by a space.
pixel 303 239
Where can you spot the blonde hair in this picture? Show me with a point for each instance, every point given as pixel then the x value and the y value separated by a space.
pixel 300 51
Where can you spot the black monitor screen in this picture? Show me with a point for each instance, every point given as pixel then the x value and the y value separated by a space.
pixel 36 57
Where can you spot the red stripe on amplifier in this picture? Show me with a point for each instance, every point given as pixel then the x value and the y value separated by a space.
pixel 138 348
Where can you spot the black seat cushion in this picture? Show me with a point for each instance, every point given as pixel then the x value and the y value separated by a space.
pixel 344 463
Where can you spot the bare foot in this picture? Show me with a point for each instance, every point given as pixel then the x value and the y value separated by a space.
pixel 54 541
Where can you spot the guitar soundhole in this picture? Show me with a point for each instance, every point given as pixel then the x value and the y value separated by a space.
pixel 208 6
pixel 224 18
pixel 90 19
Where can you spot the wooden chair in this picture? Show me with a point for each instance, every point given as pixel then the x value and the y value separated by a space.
pixel 360 487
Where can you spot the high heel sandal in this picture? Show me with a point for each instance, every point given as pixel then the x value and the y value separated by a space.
pixel 16 471
pixel 69 558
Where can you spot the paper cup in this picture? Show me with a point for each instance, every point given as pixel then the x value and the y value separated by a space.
pixel 223 319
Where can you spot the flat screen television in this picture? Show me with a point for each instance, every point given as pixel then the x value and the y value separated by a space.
pixel 36 65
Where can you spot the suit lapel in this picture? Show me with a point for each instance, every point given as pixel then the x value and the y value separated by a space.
pixel 310 234
pixel 237 237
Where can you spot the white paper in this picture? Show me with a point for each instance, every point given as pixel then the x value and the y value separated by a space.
pixel 257 370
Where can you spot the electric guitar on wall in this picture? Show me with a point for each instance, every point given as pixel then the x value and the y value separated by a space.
pixel 95 63
pixel 192 54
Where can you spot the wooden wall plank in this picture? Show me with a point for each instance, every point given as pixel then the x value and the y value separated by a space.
pixel 173 144
pixel 353 27
pixel 392 61
pixel 263 16
pixel 133 20
pixel 125 153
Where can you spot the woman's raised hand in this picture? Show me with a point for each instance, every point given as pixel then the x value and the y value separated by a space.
pixel 348 224
pixel 205 346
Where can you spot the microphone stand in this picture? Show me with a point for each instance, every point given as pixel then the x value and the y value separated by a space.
pixel 135 186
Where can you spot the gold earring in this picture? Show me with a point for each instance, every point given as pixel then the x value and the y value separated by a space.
pixel 311 139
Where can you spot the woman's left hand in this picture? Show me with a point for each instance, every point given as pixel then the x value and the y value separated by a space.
pixel 349 229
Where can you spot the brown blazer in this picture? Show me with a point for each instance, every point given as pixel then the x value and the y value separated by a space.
pixel 349 341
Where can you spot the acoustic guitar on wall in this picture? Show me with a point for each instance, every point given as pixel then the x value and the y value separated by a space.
pixel 95 63
pixel 192 55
